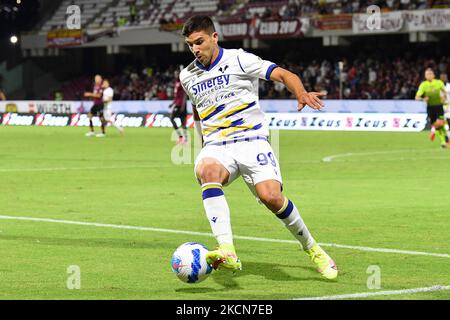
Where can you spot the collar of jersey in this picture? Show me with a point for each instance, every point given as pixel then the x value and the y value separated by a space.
pixel 213 64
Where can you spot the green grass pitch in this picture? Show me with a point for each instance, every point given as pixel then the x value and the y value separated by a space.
pixel 382 190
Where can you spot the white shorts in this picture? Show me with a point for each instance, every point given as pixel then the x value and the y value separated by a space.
pixel 107 114
pixel 254 160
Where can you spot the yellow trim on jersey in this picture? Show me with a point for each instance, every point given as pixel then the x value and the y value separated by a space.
pixel 207 112
pixel 211 128
pixel 233 110
pixel 231 130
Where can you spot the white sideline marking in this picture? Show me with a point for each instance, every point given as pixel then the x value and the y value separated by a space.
pixel 105 225
pixel 343 155
pixel 378 293
pixel 77 168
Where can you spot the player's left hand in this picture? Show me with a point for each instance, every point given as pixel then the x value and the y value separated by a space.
pixel 311 99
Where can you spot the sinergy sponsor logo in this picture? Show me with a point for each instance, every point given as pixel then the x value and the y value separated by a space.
pixel 208 84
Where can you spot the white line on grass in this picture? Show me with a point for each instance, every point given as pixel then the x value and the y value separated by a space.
pixel 378 293
pixel 78 168
pixel 334 245
pixel 350 154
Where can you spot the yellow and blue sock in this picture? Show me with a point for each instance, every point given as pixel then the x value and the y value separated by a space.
pixel 218 212
pixel 291 218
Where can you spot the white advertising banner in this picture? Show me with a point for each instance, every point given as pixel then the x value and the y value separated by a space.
pixel 162 106
pixel 410 20
pixel 42 106
pixel 347 121
pixel 388 22
pixel 425 20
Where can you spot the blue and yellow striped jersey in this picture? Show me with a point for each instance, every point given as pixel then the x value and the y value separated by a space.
pixel 226 94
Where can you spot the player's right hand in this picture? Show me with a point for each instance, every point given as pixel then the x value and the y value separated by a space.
pixel 311 99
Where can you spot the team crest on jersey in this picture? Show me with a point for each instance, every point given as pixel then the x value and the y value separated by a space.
pixel 223 69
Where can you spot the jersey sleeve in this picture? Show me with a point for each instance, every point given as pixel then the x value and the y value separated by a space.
pixel 255 66
pixel 421 90
pixel 182 77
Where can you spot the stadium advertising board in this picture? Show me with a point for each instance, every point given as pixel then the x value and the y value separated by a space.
pixel 389 22
pixel 265 29
pixel 396 21
pixel 428 20
pixel 347 121
pixel 333 22
pixel 44 106
pixel 64 38
pixel 162 106
pixel 278 121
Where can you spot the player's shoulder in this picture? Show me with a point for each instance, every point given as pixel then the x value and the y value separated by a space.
pixel 187 72
pixel 231 52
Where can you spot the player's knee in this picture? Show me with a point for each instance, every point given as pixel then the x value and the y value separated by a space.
pixel 272 199
pixel 439 124
pixel 210 173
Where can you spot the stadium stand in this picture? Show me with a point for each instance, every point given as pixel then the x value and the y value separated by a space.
pixel 151 13
pixel 89 9
pixel 371 78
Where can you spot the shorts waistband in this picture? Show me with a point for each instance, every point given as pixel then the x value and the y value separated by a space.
pixel 223 143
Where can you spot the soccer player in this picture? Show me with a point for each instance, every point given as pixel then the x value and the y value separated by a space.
pixel 97 108
pixel 444 79
pixel 107 117
pixel 430 91
pixel 179 110
pixel 223 87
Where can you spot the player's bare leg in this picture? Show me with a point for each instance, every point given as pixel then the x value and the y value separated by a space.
pixel 213 175
pixel 270 194
pixel 103 124
pixel 91 126
pixel 115 125
pixel 448 129
pixel 441 133
pixel 181 135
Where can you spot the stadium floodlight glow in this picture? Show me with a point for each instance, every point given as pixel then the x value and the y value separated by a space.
pixel 13 39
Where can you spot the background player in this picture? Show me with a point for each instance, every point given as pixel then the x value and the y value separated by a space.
pixel 179 110
pixel 223 87
pixel 108 94
pixel 444 79
pixel 431 91
pixel 97 108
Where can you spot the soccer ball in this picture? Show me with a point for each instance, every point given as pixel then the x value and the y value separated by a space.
pixel 189 262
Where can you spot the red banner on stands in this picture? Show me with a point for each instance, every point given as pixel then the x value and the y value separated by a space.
pixel 264 29
pixel 333 22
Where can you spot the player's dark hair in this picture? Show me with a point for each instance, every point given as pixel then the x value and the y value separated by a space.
pixel 198 23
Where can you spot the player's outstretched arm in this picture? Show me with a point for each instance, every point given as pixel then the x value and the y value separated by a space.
pixel 198 126
pixel 295 85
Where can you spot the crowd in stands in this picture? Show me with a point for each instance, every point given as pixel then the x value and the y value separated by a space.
pixel 367 78
pixel 361 78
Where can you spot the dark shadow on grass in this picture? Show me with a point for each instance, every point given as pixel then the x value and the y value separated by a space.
pixel 196 290
pixel 269 271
